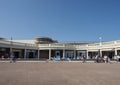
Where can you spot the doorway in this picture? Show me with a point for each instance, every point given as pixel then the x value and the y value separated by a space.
pixel 57 53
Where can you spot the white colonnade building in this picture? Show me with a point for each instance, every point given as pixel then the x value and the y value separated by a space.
pixel 45 48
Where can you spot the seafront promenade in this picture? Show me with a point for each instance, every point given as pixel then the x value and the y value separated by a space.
pixel 72 61
pixel 59 73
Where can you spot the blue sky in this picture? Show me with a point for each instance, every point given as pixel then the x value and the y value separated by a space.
pixel 62 20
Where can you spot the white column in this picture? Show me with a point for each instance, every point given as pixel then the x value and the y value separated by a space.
pixel 63 53
pixel 87 54
pixel 100 52
pixel 115 51
pixel 74 54
pixel 49 54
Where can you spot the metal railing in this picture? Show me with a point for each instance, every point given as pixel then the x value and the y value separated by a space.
pixel 8 43
pixel 111 44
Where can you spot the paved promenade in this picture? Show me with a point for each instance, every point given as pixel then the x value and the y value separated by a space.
pixel 59 73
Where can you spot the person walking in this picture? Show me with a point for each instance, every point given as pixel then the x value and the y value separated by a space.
pixel 84 58
pixel 117 58
pixel 12 58
pixel 105 58
pixel 96 58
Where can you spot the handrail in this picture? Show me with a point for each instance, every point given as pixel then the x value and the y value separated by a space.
pixel 111 44
pixel 16 43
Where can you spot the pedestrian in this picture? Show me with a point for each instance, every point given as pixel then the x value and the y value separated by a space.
pixel 105 58
pixel 96 58
pixel 84 58
pixel 12 58
pixel 118 58
pixel 109 61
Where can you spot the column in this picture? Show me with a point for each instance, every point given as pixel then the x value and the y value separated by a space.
pixel 74 54
pixel 63 53
pixel 49 54
pixel 115 51
pixel 87 54
pixel 100 52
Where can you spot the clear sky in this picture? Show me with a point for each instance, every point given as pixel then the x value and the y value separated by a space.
pixel 62 20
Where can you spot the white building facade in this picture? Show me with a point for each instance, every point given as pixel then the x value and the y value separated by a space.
pixel 27 49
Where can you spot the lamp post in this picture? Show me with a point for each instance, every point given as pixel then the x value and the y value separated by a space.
pixel 100 53
pixel 100 39
pixel 10 47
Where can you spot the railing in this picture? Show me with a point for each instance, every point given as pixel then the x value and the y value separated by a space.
pixel 118 41
pixel 94 44
pixel 4 42
pixel 16 44
pixel 108 43
pixel 112 44
pixel 43 45
pixel 83 47
pixel 57 45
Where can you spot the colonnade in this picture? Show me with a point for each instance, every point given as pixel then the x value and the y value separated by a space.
pixel 37 53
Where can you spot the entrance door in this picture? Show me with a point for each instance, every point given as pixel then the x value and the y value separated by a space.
pixel 16 54
pixel 57 53
pixel 80 54
pixel 31 55
pixel 69 54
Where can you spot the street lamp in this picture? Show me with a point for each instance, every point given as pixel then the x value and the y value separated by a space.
pixel 100 38
pixel 100 54
pixel 10 47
